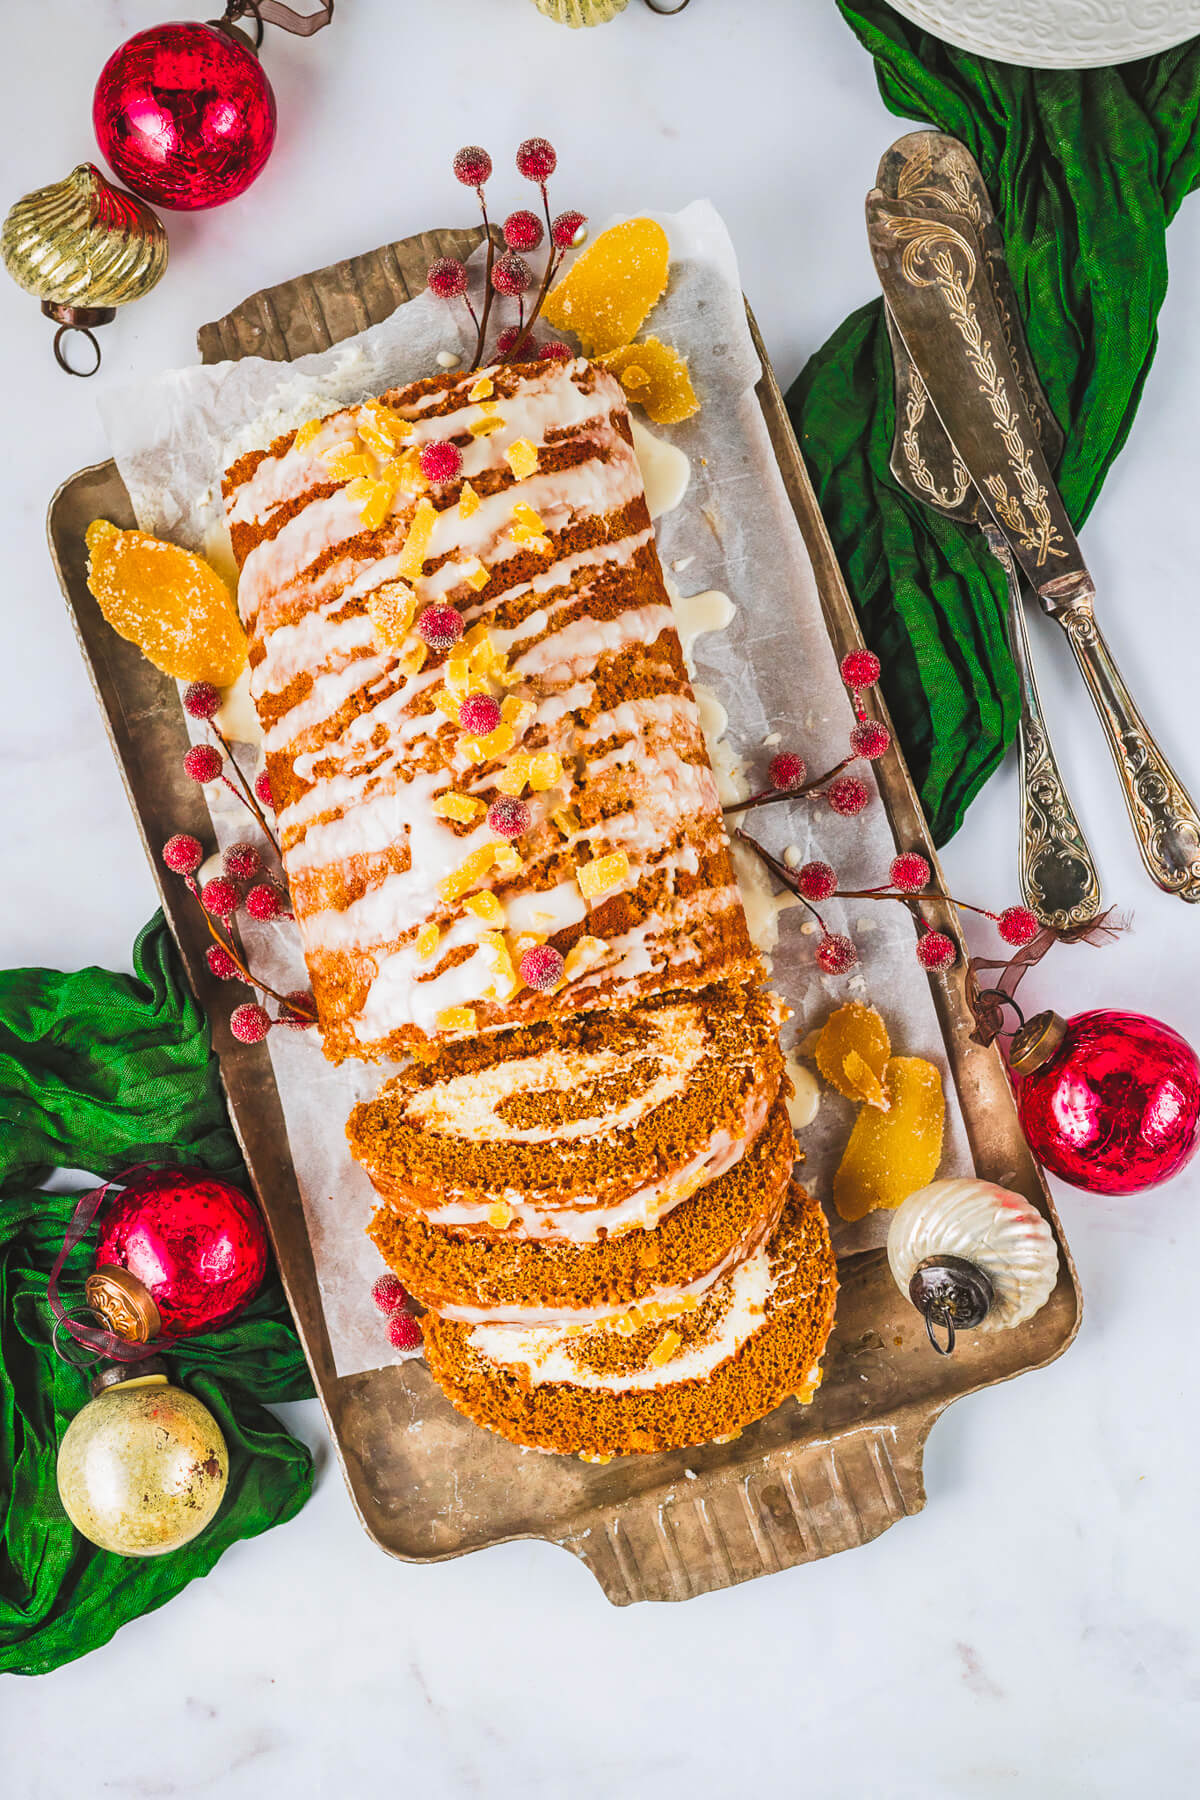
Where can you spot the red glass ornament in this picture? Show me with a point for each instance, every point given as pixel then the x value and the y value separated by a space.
pixel 196 1243
pixel 184 115
pixel 1109 1101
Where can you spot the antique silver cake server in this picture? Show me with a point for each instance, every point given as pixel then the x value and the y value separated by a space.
pixel 931 269
pixel 1056 869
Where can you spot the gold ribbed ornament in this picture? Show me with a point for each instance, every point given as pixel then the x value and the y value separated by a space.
pixel 84 248
pixel 581 12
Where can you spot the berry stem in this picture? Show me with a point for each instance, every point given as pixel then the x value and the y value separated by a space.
pixel 226 944
pixel 247 795
pixel 770 795
pixel 781 871
pixel 481 330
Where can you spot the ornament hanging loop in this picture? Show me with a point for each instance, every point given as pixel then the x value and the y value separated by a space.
pixel 932 1321
pixel 274 12
pixel 80 319
pixel 665 12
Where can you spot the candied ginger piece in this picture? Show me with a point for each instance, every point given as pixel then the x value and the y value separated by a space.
pixel 497 742
pixel 602 873
pixel 390 609
pixel 468 501
pixel 656 376
pixel 345 462
pixel 483 427
pixel 428 939
pixel 306 433
pixel 485 906
pixel 852 1053
pixel 413 660
pixel 462 808
pixel 475 575
pixel 456 1018
pixel 608 291
pixel 584 954
pixel 508 862
pixel 499 1215
pixel 515 773
pixel 168 602
pixel 522 458
pixel 483 389
pixel 504 983
pixel 447 703
pixel 891 1154
pixel 545 769
pixel 665 1348
pixel 468 874
pixel 420 530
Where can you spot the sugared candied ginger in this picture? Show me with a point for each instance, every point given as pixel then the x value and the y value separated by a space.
pixel 852 1053
pixel 611 286
pixel 891 1154
pixel 655 376
pixel 171 604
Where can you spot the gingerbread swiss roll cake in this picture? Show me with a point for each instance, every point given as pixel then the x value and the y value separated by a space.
pixel 755 1340
pixel 565 698
pixel 497 1279
pixel 576 1129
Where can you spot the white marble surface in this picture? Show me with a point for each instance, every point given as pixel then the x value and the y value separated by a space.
pixel 1033 1631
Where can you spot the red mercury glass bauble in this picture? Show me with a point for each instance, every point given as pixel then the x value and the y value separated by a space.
pixel 196 1244
pixel 184 115
pixel 1109 1101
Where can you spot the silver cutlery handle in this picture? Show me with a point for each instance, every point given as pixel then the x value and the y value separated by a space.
pixel 1160 808
pixel 1055 865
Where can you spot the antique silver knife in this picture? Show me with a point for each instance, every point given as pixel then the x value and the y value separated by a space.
pixel 930 267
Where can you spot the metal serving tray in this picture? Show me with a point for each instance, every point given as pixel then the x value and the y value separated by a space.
pixel 805 1482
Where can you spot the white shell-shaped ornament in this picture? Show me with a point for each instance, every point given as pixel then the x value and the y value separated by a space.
pixel 997 1230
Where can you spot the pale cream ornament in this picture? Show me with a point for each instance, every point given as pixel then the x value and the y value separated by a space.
pixel 971 1254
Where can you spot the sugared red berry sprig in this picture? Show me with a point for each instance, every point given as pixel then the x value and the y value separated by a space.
pixel 848 795
pixel 908 882
pixel 219 899
pixel 204 763
pixel 509 274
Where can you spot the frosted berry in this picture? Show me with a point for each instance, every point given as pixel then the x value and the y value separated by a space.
pixel 860 669
pixel 523 230
pixel 909 872
pixel 203 763
pixel 249 1023
pixel 241 862
pixel 787 770
pixel 447 277
pixel 440 626
pixel 511 274
pixel 472 165
pixel 542 968
pixel 262 788
pixel 404 1332
pixel 536 159
pixel 816 881
pixel 836 953
pixel 508 817
pixel 508 340
pixel 265 902
pixel 848 795
pixel 555 352
pixel 299 1010
pixel 870 739
pixel 388 1293
pixel 221 964
pixel 936 951
pixel 441 461
pixel 201 700
pixel 219 897
pixel 183 853
pixel 1017 925
pixel 568 229
pixel 479 714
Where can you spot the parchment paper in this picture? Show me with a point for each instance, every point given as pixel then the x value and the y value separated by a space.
pixel 773 670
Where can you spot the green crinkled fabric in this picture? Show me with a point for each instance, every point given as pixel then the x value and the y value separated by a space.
pixel 1085 169
pixel 99 1071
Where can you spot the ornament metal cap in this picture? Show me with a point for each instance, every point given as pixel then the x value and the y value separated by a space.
pixel 1036 1042
pixel 951 1292
pixel 124 1303
pixel 111 1375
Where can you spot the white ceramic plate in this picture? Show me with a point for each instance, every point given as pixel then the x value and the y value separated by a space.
pixel 1058 34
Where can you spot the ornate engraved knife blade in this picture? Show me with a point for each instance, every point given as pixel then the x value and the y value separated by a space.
pixel 929 266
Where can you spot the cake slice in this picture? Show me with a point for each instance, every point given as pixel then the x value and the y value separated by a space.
pixel 496 1279
pixel 756 1339
pixel 565 698
pixel 576 1129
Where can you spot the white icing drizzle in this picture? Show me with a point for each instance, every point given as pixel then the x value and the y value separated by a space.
pixel 665 469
